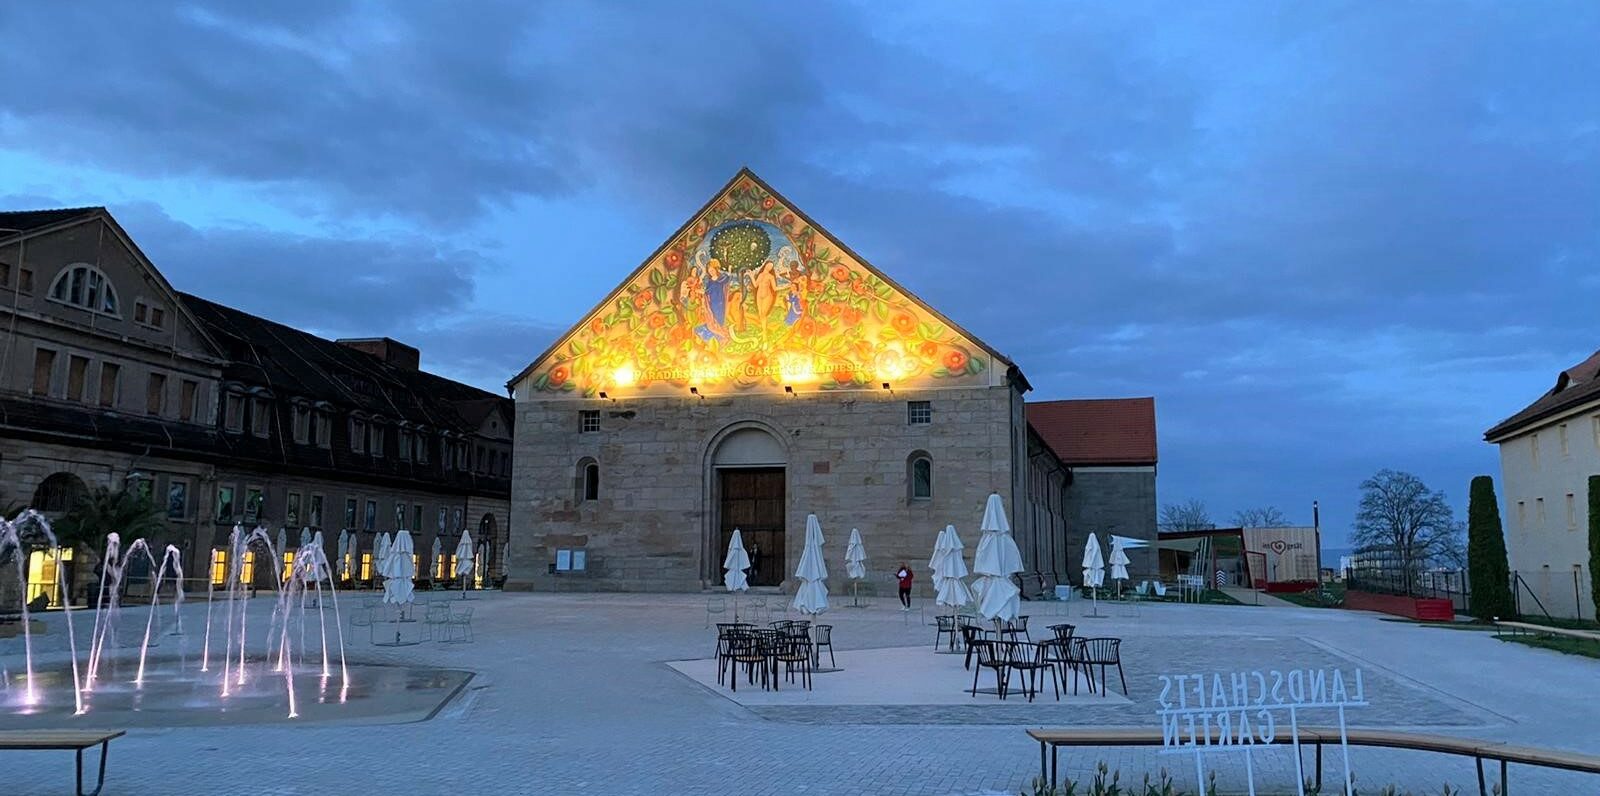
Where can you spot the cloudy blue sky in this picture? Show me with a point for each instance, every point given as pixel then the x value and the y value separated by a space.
pixel 1328 237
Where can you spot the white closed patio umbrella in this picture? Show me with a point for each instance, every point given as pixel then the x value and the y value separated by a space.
pixel 1119 562
pixel 397 569
pixel 464 561
pixel 855 564
pixel 1094 572
pixel 343 553
pixel 950 590
pixel 812 596
pixel 996 561
pixel 734 565
pixel 380 550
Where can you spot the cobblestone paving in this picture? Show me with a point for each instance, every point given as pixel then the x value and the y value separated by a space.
pixel 572 697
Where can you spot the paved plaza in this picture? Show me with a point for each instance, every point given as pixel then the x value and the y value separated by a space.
pixel 609 693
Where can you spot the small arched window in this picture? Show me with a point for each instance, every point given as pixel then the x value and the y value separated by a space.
pixel 87 287
pixel 920 475
pixel 588 480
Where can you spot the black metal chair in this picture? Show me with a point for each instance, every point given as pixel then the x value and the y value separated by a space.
pixel 1016 627
pixel 990 657
pixel 1029 660
pixel 946 628
pixel 1103 652
pixel 969 635
pixel 1063 631
pixel 793 653
pixel 751 652
pixel 1073 657
pixel 823 637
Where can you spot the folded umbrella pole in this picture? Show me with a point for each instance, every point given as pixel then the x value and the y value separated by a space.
pixel 996 561
pixel 1094 573
pixel 733 567
pixel 949 569
pixel 855 565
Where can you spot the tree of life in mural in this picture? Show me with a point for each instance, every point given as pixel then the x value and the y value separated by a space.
pixel 749 296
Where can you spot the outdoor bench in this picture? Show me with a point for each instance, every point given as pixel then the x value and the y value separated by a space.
pixel 74 740
pixel 1318 737
pixel 1529 627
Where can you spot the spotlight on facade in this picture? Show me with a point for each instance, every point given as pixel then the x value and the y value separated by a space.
pixel 603 395
pixel 886 387
pixel 696 391
pixel 788 389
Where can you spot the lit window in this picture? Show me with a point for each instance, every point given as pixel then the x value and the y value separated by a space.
pixel 919 413
pixel 247 569
pixel 219 566
pixel 288 563
pixel 588 420
pixel 84 286
pixel 366 566
pixel 921 478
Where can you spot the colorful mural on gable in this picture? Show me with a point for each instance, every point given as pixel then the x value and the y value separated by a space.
pixel 751 297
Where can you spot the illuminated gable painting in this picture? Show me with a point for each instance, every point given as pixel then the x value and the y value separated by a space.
pixel 751 297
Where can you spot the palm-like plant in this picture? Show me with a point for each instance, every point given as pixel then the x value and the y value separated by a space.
pixel 103 511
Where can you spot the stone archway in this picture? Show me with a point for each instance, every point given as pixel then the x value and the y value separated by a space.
pixel 57 494
pixel 747 471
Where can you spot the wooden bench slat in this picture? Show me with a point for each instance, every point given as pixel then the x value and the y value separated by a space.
pixel 55 739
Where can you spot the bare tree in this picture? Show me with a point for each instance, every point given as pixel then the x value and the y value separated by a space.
pixel 1406 521
pixel 1188 516
pixel 1263 517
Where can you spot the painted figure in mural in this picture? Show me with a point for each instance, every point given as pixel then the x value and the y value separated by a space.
pixel 795 276
pixel 766 290
pixel 735 302
pixel 712 290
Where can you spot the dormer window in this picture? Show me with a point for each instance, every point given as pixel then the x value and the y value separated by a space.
pixel 85 287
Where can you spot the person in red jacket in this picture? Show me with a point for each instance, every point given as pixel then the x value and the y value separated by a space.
pixel 905 577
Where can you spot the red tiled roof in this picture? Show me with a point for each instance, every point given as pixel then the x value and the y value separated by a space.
pixel 1103 431
pixel 1574 386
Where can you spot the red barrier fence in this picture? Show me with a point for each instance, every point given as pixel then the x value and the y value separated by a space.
pixel 1423 608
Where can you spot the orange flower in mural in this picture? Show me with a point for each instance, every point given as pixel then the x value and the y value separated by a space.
pixel 674 259
pixel 658 320
pixel 840 273
pixel 815 285
pixel 842 376
pixel 700 229
pixel 904 324
pixel 852 316
pixel 758 361
pixel 558 375
pixel 806 327
pixel 928 349
pixel 786 221
pixel 641 300
pixel 597 326
pixel 955 361
pixel 767 203
pixel 860 288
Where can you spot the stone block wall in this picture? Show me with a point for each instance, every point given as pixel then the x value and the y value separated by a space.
pixel 653 527
pixel 1112 500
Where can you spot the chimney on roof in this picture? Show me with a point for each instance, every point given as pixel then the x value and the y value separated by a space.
pixel 387 349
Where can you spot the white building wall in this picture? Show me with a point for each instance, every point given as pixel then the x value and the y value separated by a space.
pixel 1547 544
